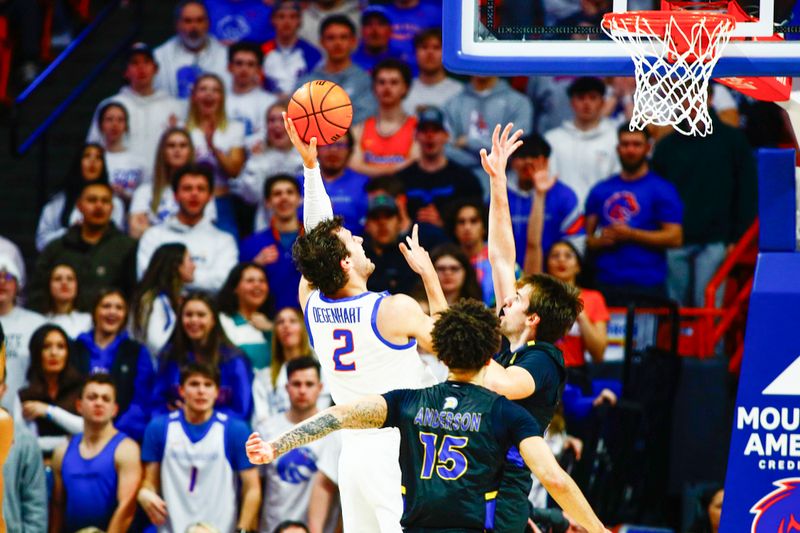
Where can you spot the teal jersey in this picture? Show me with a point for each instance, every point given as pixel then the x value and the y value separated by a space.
pixel 454 439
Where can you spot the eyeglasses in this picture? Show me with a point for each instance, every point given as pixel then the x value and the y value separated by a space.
pixel 444 269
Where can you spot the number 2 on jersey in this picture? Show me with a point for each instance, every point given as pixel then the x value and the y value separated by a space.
pixel 450 463
pixel 347 348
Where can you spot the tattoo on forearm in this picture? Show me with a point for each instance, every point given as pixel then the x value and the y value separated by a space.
pixel 364 414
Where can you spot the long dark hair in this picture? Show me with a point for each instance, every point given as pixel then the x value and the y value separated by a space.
pixel 216 343
pixel 35 373
pixel 75 182
pixel 228 301
pixel 49 303
pixel 470 288
pixel 161 277
pixel 583 275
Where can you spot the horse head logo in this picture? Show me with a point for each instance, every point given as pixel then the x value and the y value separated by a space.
pixel 779 511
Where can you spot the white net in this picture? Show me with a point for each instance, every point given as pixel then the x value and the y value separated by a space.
pixel 674 54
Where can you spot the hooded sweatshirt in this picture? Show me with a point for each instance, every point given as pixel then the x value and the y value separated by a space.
pixel 581 159
pixel 474 114
pixel 213 251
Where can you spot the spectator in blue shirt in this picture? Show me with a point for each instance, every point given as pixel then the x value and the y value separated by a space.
pixel 631 220
pixel 199 337
pixel 344 185
pixel 240 20
pixel 376 32
pixel 272 247
pixel 409 17
pixel 562 212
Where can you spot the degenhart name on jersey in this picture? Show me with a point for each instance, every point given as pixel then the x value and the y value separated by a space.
pixel 336 315
pixel 433 418
pixel 774 439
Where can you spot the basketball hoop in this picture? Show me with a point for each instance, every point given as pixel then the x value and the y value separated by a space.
pixel 674 54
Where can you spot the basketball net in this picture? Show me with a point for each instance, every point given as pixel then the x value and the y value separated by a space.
pixel 674 54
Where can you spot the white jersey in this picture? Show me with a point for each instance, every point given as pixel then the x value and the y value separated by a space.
pixel 197 480
pixel 355 358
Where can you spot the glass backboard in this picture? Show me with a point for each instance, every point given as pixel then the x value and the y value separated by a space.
pixel 524 37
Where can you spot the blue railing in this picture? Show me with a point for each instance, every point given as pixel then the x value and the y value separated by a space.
pixel 18 149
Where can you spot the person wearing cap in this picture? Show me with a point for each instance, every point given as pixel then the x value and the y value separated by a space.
pixel 150 110
pixel 376 32
pixel 433 87
pixel 190 53
pixel 316 12
pixel 11 250
pixel 433 182
pixel 287 56
pixel 584 149
pixel 382 236
pixel 18 324
pixel 385 141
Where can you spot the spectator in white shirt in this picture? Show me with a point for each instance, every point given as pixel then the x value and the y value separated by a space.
pixel 18 325
pixel 190 53
pixel 319 10
pixel 61 212
pixel 150 110
pixel 433 88
pixel 126 170
pixel 218 143
pixel 213 251
pixel 61 301
pixel 247 102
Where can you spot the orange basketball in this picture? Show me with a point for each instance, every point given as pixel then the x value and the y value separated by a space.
pixel 321 109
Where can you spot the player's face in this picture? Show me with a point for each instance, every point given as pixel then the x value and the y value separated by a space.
pixel 207 96
pixel 177 150
pixel 514 316
pixel 432 140
pixel 276 132
pixel 54 353
pixel 95 204
pixel 284 200
pixel 91 163
pixel 199 393
pixel 8 288
pixel 632 149
pixel 562 263
pixel 588 106
pixel 338 42
pixel 192 195
pixel 451 273
pixel 97 404
pixel 333 157
pixel 304 388
pixel 376 33
pixel 288 329
pixel 390 87
pixel 113 125
pixel 140 71
pixel 197 320
pixel 361 264
pixel 63 284
pixel 252 289
pixel 109 315
pixel 186 268
pixel 383 228
pixel 286 23
pixel 429 56
pixel 469 228
pixel 244 69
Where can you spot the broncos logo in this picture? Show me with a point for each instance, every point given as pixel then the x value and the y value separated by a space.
pixel 779 511
pixel 297 466
pixel 621 206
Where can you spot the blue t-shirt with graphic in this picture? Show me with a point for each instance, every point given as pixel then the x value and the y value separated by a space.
pixel 348 199
pixel 240 20
pixel 646 204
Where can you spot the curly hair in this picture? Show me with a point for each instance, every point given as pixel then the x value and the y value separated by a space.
pixel 558 304
pixel 318 254
pixel 466 335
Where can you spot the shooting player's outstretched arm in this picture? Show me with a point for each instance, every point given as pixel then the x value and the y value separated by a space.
pixel 502 254
pixel 537 455
pixel 368 412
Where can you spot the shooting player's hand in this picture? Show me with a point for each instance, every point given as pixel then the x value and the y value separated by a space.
pixel 307 151
pixel 259 452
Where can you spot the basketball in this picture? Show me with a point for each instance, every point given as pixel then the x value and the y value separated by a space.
pixel 321 109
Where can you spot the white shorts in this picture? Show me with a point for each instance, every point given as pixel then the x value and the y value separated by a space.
pixel 370 481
